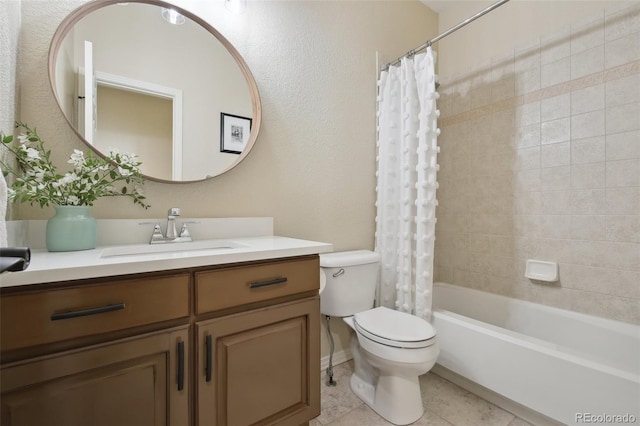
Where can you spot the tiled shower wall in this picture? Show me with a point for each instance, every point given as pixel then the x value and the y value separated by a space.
pixel 540 159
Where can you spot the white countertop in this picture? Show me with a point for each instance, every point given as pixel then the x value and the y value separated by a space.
pixel 48 267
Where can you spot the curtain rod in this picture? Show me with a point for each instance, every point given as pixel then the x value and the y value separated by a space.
pixel 446 33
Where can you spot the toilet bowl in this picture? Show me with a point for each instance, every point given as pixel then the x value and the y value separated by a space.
pixel 391 349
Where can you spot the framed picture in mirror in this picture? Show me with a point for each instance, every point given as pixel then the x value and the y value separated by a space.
pixel 234 133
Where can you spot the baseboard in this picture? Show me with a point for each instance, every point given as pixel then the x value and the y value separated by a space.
pixel 513 407
pixel 338 358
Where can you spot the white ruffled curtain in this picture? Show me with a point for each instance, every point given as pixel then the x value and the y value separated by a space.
pixel 406 189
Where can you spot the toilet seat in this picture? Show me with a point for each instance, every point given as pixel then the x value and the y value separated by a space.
pixel 394 328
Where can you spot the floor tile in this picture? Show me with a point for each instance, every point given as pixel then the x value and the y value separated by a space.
pixel 459 406
pixel 445 404
pixel 337 400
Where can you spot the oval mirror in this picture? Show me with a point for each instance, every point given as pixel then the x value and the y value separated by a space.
pixel 152 79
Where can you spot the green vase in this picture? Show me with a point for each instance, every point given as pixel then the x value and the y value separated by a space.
pixel 71 229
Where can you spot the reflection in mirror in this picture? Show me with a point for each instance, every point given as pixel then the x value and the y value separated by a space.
pixel 151 87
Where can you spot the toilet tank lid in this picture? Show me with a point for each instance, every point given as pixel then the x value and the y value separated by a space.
pixel 348 258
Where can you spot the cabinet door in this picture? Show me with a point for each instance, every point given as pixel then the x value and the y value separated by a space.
pixel 260 367
pixel 139 381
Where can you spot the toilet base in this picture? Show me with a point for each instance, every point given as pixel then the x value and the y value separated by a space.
pixel 390 388
pixel 396 399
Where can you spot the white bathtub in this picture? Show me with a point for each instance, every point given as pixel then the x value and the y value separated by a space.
pixel 570 367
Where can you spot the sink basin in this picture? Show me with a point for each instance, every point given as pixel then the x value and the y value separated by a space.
pixel 151 249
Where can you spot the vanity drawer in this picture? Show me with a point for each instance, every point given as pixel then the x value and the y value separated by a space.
pixel 229 287
pixel 48 316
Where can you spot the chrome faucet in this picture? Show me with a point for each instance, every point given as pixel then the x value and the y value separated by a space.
pixel 171 235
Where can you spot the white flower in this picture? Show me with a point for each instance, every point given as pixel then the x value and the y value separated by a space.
pixel 73 200
pixel 77 158
pixel 32 154
pixel 68 178
pixel 23 139
pixel 124 172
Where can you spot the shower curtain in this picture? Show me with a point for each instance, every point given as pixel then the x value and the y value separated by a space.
pixel 406 187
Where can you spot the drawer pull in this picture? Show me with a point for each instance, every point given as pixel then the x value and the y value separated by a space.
pixel 208 366
pixel 180 366
pixel 266 283
pixel 86 312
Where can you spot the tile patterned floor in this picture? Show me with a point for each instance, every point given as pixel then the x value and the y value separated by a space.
pixel 445 405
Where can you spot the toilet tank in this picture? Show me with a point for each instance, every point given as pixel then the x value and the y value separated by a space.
pixel 351 281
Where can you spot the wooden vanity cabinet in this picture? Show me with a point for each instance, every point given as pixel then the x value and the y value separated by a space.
pixel 256 367
pixel 231 345
pixel 262 365
pixel 98 352
pixel 140 381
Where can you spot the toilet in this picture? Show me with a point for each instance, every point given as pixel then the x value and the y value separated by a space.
pixel 391 349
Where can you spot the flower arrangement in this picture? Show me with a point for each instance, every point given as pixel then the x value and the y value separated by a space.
pixel 38 181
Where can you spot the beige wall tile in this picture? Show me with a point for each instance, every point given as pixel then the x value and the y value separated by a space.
pixel 588 150
pixel 555 131
pixel 555 226
pixel 586 278
pixel 527 56
pixel 588 176
pixel 589 227
pixel 589 201
pixel 556 154
pixel 588 125
pixel 528 158
pixel 620 23
pixel 623 90
pixel 622 50
pixel 587 62
pixel 556 202
pixel 589 99
pixel 555 72
pixel 528 114
pixel 623 118
pixel 562 180
pixel 586 35
pixel 623 228
pixel 555 178
pixel 555 250
pixel 528 136
pixel 589 253
pixel 623 283
pixel 528 203
pixel 623 201
pixel 555 107
pixel 555 46
pixel 623 173
pixel 623 256
pixel 528 81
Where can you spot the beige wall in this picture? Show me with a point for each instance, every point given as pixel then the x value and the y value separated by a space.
pixel 313 166
pixel 9 38
pixel 516 23
pixel 540 157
